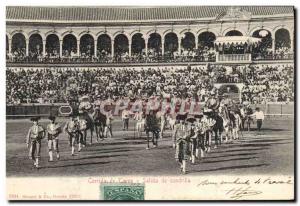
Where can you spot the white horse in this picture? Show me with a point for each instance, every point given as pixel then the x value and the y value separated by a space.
pixel 140 124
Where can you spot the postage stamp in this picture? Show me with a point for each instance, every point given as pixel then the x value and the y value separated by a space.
pixel 122 191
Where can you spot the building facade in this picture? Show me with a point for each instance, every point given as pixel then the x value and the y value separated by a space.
pixel 81 30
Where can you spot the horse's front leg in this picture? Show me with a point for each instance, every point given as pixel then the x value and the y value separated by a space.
pixel 84 137
pixel 216 138
pixel 209 141
pixel 97 133
pixel 162 127
pixel 136 128
pixel 92 131
pixel 243 123
pixel 221 136
pixel 248 125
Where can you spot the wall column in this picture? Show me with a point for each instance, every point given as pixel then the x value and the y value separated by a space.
pixel 44 47
pixel 60 48
pixel 9 45
pixel 273 45
pixel 146 46
pixel 27 47
pixel 179 45
pixel 112 48
pixel 129 48
pixel 163 46
pixel 78 48
pixel 196 42
pixel 95 47
pixel 292 42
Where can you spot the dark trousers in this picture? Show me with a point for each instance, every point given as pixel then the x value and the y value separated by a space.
pixel 125 124
pixel 155 136
pixel 82 136
pixel 259 124
pixel 35 149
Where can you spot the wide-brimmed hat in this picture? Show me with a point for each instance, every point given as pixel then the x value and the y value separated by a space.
pixel 191 119
pixel 34 119
pixel 52 118
pixel 198 116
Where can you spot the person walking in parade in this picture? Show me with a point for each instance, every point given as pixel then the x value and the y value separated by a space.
pixel 71 129
pixel 259 116
pixel 33 140
pixel 108 125
pixel 53 131
pixel 125 119
pixel 182 152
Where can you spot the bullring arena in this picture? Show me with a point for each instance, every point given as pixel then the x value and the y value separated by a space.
pixel 58 56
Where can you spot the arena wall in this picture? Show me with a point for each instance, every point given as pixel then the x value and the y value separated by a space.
pixel 64 110
pixel 148 64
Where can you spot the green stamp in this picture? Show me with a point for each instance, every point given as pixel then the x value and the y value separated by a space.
pixel 123 192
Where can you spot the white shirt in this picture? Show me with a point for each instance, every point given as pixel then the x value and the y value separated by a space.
pixel 259 115
pixel 125 114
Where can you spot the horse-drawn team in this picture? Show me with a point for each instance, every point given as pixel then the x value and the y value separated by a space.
pixel 192 135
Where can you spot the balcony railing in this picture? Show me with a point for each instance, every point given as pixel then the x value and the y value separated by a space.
pixel 109 60
pixel 233 57
pixel 283 56
pixel 158 59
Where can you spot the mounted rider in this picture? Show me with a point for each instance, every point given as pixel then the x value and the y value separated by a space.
pixel 213 102
pixel 152 125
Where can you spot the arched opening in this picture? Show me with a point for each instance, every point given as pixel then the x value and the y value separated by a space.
pixel 19 44
pixel 188 41
pixel 103 45
pixel 264 47
pixel 154 45
pixel 35 45
pixel 171 44
pixel 69 45
pixel 206 40
pixel 206 46
pixel 7 44
pixel 52 45
pixel 87 45
pixel 121 45
pixel 234 33
pixel 138 44
pixel 282 39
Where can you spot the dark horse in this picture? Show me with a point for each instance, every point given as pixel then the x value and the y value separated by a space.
pixel 99 123
pixel 218 128
pixel 89 126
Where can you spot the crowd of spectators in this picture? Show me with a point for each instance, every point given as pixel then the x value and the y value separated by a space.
pixel 185 55
pixel 268 83
pixel 263 83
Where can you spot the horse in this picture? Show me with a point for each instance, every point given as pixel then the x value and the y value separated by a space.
pixel 218 128
pixel 89 125
pixel 224 114
pixel 140 124
pixel 151 125
pixel 162 116
pixel 171 122
pixel 99 123
pixel 246 118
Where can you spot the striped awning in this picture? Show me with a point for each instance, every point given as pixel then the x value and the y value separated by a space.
pixel 236 40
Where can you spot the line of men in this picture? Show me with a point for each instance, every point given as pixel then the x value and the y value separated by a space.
pixel 193 137
pixel 197 132
pixel 75 128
